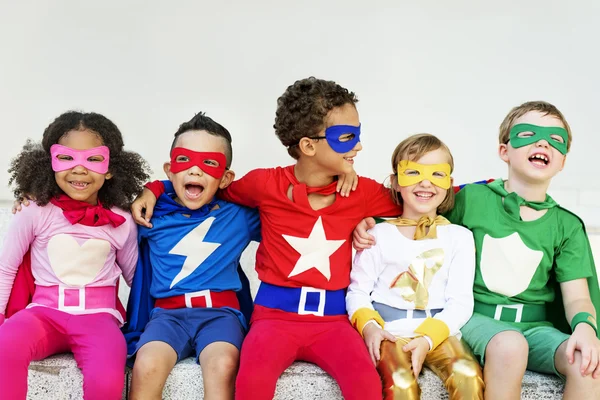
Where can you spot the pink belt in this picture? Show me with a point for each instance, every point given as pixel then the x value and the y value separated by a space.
pixel 75 299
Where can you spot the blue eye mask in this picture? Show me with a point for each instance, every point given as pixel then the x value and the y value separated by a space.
pixel 342 138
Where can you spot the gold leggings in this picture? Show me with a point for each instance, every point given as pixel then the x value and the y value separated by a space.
pixel 455 366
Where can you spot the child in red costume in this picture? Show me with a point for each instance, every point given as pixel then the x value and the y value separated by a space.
pixel 304 259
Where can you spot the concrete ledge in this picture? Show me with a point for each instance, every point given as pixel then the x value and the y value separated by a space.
pixel 58 378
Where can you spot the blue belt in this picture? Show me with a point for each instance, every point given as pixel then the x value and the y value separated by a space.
pixel 389 313
pixel 303 300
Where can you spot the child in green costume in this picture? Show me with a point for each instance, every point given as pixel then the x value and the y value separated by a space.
pixel 531 253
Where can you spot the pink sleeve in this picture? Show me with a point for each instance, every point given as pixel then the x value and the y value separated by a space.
pixel 20 235
pixel 127 257
pixel 247 191
pixel 378 199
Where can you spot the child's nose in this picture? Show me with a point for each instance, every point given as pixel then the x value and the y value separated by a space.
pixel 358 147
pixel 542 143
pixel 79 169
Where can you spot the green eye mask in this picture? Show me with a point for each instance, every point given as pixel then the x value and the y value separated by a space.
pixel 549 133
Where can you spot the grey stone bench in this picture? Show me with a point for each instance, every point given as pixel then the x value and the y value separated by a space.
pixel 58 377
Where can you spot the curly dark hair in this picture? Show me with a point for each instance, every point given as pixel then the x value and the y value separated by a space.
pixel 201 122
pixel 31 171
pixel 301 110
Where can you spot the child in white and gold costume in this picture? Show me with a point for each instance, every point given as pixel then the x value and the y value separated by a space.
pixel 412 291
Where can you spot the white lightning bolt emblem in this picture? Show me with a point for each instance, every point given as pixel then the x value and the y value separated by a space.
pixel 194 248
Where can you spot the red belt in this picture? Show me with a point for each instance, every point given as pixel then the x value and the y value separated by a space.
pixel 201 299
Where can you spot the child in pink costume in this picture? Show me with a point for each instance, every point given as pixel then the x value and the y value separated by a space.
pixel 81 240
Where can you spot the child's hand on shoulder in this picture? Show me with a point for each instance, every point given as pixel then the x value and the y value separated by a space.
pixel 584 339
pixel 419 347
pixel 17 205
pixel 347 183
pixel 373 336
pixel 361 239
pixel 142 208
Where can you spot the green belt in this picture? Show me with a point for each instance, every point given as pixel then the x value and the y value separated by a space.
pixel 512 312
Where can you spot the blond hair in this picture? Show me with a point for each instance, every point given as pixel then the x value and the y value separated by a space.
pixel 413 148
pixel 542 107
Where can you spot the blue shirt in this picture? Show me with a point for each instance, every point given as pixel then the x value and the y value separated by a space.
pixel 198 252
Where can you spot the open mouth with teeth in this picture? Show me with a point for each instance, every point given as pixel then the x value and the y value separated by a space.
pixel 78 185
pixel 193 190
pixel 539 159
pixel 423 196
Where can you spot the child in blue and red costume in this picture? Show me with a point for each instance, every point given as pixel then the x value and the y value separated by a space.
pixel 191 258
pixel 304 259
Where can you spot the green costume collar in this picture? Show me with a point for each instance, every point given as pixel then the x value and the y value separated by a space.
pixel 513 202
pixel 525 134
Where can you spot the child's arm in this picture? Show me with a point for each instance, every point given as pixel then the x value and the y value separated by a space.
pixel 248 190
pixel 362 240
pixel 573 265
pixel 580 311
pixel 18 238
pixel 458 294
pixel 128 255
pixel 365 271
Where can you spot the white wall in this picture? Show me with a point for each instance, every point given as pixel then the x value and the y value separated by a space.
pixel 453 68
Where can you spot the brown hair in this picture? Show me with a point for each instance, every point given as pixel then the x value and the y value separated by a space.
pixel 302 109
pixel 542 107
pixel 414 147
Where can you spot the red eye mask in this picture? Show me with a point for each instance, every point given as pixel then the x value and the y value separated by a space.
pixel 212 163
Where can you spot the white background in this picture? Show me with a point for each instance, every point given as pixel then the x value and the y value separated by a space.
pixel 452 68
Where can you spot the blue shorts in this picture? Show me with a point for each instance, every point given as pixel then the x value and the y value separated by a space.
pixel 189 330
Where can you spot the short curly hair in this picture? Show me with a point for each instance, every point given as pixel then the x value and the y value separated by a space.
pixel 301 110
pixel 31 171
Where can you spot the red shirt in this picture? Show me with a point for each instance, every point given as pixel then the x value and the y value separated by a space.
pixel 301 246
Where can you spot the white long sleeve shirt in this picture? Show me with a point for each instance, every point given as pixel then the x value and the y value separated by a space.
pixel 389 272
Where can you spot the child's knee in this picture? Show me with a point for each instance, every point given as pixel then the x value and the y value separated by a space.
pixel 224 364
pixel 466 379
pixel 509 347
pixel 401 385
pixel 105 384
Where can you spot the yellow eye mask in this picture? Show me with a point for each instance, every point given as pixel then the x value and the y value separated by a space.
pixel 411 173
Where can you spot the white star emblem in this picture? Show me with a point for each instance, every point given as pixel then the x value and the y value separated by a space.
pixel 314 251
pixel 194 248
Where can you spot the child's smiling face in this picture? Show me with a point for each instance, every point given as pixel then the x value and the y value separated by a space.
pixel 537 162
pixel 329 160
pixel 80 183
pixel 423 198
pixel 193 186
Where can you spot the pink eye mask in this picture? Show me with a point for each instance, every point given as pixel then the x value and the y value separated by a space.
pixel 79 157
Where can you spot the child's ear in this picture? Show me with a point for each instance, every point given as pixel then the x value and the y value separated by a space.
pixel 503 152
pixel 394 182
pixel 167 169
pixel 307 146
pixel 227 178
pixel 108 176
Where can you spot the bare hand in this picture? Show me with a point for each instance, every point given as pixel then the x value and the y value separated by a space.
pixel 584 339
pixel 419 347
pixel 17 204
pixel 373 336
pixel 346 183
pixel 361 238
pixel 145 201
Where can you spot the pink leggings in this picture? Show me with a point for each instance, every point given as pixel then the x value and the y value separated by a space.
pixel 38 332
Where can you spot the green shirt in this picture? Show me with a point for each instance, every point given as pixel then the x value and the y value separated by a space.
pixel 517 259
